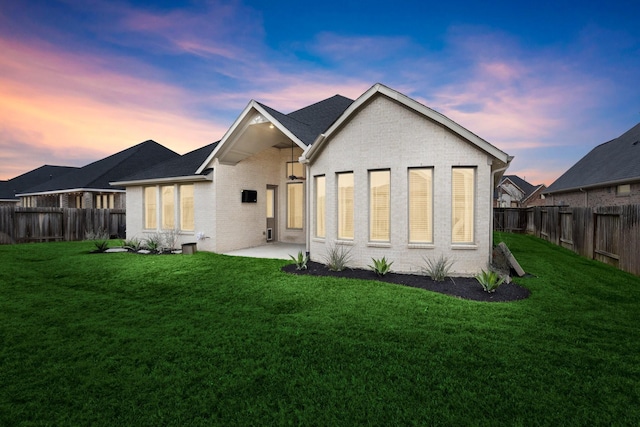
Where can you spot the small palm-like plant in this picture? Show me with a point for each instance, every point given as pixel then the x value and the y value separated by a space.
pixel 439 269
pixel 100 239
pixel 490 280
pixel 300 260
pixel 337 258
pixel 381 266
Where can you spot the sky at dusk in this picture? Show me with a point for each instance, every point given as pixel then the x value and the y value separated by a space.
pixel 82 79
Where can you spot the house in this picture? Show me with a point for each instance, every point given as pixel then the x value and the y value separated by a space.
pixel 608 175
pixel 515 192
pixel 10 188
pixel 88 186
pixel 379 176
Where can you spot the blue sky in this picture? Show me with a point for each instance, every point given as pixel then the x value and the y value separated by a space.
pixel 79 80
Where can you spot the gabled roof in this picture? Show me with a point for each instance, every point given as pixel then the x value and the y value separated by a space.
pixel 97 175
pixel 382 90
pixel 611 163
pixel 301 127
pixel 182 168
pixel 9 189
pixel 527 188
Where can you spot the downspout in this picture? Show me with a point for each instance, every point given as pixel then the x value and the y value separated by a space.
pixel 307 207
pixel 586 197
pixel 493 180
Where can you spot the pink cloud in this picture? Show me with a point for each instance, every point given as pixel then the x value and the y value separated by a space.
pixel 72 106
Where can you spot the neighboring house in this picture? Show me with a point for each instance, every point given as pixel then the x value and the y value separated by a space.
pixel 382 176
pixel 10 188
pixel 608 175
pixel 88 187
pixel 515 192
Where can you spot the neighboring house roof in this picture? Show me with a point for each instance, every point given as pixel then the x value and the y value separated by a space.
pixel 98 175
pixel 176 169
pixel 378 90
pixel 525 187
pixel 614 162
pixel 9 189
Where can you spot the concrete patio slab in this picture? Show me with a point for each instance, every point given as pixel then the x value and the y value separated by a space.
pixel 276 250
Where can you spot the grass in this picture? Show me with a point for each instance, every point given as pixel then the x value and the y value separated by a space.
pixel 123 339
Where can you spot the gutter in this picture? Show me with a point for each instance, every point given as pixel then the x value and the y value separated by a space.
pixel 595 185
pixel 188 178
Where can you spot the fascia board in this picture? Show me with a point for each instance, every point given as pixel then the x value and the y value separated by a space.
pixel 223 145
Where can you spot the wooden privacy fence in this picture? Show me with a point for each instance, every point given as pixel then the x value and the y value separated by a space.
pixel 21 225
pixel 610 234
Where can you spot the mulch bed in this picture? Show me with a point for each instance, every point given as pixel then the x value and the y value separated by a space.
pixel 461 287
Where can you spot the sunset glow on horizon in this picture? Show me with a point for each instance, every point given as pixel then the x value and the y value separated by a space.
pixel 80 81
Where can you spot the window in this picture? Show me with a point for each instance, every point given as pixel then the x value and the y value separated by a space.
pixel 321 192
pixel 270 202
pixel 78 202
pixel 421 205
pixel 168 207
pixel 379 205
pixel 150 206
pixel 623 190
pixel 345 206
pixel 462 204
pixel 295 205
pixel 186 208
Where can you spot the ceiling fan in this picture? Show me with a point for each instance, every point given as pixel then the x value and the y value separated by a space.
pixel 293 177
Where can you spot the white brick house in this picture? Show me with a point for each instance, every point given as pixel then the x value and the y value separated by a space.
pixel 382 175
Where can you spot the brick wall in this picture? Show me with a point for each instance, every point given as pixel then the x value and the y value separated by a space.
pixel 386 135
pixel 603 196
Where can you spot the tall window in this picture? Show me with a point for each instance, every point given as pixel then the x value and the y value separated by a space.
pixel 462 204
pixel 150 206
pixel 321 192
pixel 295 205
pixel 186 208
pixel 168 207
pixel 345 206
pixel 379 205
pixel 421 205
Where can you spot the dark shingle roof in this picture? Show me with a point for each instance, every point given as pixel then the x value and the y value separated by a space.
pixel 526 187
pixel 9 189
pixel 185 165
pixel 309 122
pixel 97 175
pixel 306 124
pixel 614 161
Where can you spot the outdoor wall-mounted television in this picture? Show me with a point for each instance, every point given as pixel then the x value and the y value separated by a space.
pixel 249 196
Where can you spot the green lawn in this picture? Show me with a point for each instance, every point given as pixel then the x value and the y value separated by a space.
pixel 132 340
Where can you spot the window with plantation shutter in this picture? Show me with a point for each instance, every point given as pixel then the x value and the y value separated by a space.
pixel 168 207
pixel 379 206
pixel 150 206
pixel 345 206
pixel 187 220
pixel 421 205
pixel 295 205
pixel 462 204
pixel 321 192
